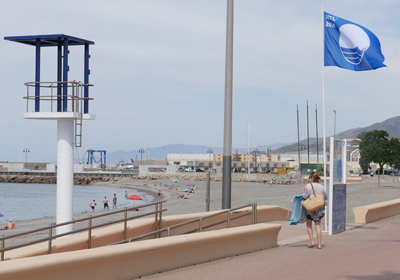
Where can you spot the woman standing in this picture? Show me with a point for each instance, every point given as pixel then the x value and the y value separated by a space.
pixel 317 215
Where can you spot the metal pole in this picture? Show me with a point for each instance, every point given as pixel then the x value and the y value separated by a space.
pixel 227 154
pixel 334 126
pixel 200 224
pixel 379 177
pixel 2 247
pixel 90 234
pixel 316 125
pixel 308 138
pixel 125 225
pixel 160 220
pixel 298 138
pixel 248 146
pixel 323 97
pixel 50 236
pixel 208 191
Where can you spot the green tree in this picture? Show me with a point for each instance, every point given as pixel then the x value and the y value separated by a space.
pixel 394 153
pixel 236 158
pixel 375 147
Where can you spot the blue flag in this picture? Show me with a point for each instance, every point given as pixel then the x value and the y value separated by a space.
pixel 350 46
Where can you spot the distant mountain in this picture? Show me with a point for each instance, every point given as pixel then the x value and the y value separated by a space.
pixel 392 126
pixel 160 153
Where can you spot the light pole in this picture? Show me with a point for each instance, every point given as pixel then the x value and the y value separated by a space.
pixel 302 147
pixel 26 151
pixel 256 151
pixel 334 127
pixel 141 151
pixel 209 152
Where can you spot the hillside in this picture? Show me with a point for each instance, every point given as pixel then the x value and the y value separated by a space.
pixel 392 126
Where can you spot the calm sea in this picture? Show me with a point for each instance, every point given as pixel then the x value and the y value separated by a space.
pixel 34 201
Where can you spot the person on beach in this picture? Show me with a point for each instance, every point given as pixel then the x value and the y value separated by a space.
pixel 105 201
pixel 93 204
pixel 315 216
pixel 10 225
pixel 126 194
pixel 160 195
pixel 115 201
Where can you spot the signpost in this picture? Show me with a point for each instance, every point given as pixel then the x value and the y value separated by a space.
pixel 337 186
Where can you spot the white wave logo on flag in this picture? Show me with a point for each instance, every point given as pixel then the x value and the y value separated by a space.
pixel 353 42
pixel 350 46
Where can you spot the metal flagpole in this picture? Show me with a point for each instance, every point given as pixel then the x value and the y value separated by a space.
pixel 308 139
pixel 227 153
pixel 323 104
pixel 298 139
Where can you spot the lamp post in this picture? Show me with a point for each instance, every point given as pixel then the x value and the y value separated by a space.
pixel 302 147
pixel 26 151
pixel 256 151
pixel 334 127
pixel 141 151
pixel 209 152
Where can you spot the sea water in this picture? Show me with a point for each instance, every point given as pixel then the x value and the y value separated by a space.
pixel 35 201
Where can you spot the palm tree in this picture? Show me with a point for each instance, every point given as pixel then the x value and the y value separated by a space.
pixel 355 143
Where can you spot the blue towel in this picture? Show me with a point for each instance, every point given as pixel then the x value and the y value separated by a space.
pixel 298 211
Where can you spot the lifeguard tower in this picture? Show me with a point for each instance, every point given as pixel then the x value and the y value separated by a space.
pixel 66 101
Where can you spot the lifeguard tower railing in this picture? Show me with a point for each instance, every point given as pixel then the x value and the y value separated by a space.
pixel 52 101
pixel 75 97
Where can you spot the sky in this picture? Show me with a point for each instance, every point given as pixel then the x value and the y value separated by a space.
pixel 158 69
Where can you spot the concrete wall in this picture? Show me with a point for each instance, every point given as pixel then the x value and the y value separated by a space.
pixel 169 169
pixel 134 260
pixel 374 212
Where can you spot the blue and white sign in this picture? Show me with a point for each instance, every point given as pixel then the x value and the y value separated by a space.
pixel 337 186
pixel 350 46
pixel 339 208
pixel 337 175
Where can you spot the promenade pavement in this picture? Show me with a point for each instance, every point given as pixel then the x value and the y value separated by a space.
pixel 365 252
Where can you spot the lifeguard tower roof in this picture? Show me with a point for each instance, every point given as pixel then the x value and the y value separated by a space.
pixel 49 40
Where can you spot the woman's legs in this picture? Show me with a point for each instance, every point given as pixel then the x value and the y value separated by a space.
pixel 319 233
pixel 310 232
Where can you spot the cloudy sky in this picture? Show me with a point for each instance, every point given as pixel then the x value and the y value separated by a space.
pixel 158 69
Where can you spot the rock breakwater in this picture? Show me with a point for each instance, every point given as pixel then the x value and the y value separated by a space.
pixel 36 179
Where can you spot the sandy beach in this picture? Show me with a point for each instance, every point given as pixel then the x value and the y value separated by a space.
pixel 358 194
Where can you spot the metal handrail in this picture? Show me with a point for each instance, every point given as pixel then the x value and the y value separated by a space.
pixel 77 93
pixel 158 214
pixel 200 220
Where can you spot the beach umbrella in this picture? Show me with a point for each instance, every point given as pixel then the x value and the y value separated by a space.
pixel 134 197
pixel 189 184
pixel 1 215
pixel 186 190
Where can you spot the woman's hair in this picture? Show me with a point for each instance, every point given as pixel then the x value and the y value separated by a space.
pixel 315 177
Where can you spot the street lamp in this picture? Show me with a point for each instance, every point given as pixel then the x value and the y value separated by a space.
pixel 141 151
pixel 26 151
pixel 256 151
pixel 334 129
pixel 209 152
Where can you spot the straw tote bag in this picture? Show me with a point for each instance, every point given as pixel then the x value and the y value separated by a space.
pixel 314 202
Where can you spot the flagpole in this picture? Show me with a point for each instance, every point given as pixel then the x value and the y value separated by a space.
pixel 323 102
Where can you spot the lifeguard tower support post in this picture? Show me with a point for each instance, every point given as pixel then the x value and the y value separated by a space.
pixel 64 101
